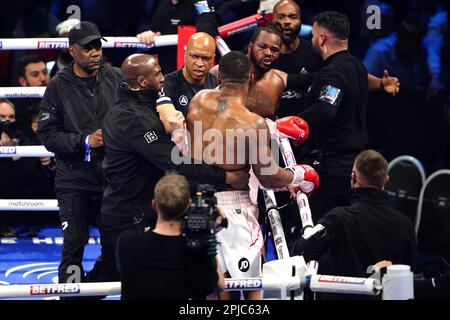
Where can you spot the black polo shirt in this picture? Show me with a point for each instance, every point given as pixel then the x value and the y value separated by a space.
pixel 178 91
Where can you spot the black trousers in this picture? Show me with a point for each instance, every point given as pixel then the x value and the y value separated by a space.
pixel 333 192
pixel 105 269
pixel 78 210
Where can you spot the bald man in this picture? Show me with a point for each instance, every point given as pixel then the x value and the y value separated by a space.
pixel 138 153
pixel 225 133
pixel 181 85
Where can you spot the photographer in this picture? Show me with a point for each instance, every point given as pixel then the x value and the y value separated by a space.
pixel 159 264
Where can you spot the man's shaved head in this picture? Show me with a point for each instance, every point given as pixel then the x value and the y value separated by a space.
pixel 142 71
pixel 285 3
pixel 136 65
pixel 199 57
pixel 203 40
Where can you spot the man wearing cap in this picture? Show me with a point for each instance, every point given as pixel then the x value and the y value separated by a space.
pixel 72 111
pixel 63 58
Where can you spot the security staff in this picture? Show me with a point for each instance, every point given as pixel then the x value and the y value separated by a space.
pixel 138 152
pixel 335 111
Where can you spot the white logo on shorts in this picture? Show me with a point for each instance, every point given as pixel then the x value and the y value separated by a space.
pixel 150 136
pixel 65 224
pixel 183 100
pixel 243 265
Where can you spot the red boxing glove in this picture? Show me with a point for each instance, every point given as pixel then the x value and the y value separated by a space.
pixel 305 177
pixel 293 127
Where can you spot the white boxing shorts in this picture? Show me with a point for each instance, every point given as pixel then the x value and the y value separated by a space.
pixel 240 246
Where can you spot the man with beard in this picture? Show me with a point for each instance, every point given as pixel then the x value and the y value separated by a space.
pixel 297 56
pixel 266 85
pixel 335 111
pixel 32 73
pixel 242 139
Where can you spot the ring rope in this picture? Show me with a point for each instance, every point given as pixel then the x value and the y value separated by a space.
pixel 317 283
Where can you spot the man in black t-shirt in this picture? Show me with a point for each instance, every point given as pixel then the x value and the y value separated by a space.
pixel 296 54
pixel 181 85
pixel 170 14
pixel 157 264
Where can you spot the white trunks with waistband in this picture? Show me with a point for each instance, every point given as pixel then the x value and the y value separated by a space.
pixel 241 244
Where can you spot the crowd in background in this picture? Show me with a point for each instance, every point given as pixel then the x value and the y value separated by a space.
pixel 412 43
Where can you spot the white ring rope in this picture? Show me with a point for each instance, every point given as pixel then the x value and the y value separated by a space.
pixel 29 205
pixel 21 92
pixel 61 43
pixel 317 283
pixel 24 151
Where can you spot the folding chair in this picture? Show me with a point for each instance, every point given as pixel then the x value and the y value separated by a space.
pixel 406 179
pixel 432 224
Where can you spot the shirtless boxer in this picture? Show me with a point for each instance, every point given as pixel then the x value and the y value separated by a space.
pixel 268 84
pixel 220 114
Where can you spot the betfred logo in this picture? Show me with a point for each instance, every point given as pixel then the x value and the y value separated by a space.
pixel 53 45
pixel 7 150
pixel 54 289
pixel 243 283
pixel 338 279
pixel 123 44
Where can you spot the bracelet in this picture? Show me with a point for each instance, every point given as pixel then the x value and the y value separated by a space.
pixel 87 155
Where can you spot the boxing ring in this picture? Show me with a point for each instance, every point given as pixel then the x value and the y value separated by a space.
pixel 283 278
pixel 398 276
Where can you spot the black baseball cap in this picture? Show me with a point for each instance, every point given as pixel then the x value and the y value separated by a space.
pixel 83 33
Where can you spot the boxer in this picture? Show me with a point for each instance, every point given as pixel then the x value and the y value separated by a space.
pixel 225 133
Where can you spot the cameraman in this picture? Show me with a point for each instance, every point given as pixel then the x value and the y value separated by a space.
pixel 157 264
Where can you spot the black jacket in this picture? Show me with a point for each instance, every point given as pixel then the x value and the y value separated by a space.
pixel 337 116
pixel 70 112
pixel 138 152
pixel 159 267
pixel 357 236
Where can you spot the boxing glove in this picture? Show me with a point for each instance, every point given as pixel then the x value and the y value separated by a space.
pixel 305 177
pixel 293 127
